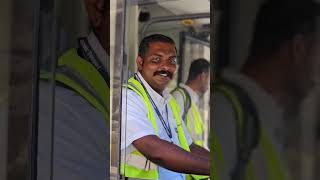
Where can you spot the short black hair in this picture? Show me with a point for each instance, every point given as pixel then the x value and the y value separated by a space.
pixel 279 21
pixel 197 67
pixel 144 44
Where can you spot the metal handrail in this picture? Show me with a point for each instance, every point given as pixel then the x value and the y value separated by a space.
pixel 172 18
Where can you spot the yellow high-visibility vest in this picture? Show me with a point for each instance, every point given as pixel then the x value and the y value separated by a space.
pixel 195 125
pixel 82 77
pixel 193 119
pixel 275 169
pixel 136 165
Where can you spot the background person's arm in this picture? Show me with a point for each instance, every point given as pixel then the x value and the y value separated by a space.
pixel 171 156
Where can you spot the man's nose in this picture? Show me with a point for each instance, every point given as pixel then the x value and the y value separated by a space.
pixel 165 65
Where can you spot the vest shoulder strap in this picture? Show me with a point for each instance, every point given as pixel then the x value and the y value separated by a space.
pixel 186 100
pixel 135 86
pixel 247 123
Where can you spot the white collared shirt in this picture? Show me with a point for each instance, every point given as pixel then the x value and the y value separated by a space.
pixel 194 96
pixel 135 124
pixel 180 100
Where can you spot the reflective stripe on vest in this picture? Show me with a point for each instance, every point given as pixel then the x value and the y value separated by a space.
pixel 79 75
pixel 195 125
pixel 274 166
pixel 133 167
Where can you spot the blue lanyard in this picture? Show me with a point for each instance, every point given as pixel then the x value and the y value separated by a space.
pixel 165 126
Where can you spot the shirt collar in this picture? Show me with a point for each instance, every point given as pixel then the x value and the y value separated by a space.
pixel 193 95
pixel 98 49
pixel 159 100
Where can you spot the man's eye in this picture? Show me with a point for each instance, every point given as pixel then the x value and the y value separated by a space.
pixel 155 59
pixel 173 61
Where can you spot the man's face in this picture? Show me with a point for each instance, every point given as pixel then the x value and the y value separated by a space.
pixel 158 65
pixel 204 78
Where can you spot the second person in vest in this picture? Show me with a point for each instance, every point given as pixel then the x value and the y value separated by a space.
pixel 155 142
pixel 188 97
pixel 255 113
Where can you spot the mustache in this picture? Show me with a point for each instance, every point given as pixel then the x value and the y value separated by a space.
pixel 163 72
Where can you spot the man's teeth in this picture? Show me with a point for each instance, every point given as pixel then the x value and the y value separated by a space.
pixel 163 74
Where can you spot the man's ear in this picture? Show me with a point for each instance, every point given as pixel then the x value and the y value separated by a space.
pixel 139 62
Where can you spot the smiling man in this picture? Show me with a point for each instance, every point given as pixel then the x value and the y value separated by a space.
pixel 155 143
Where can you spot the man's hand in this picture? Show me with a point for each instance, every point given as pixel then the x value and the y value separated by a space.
pixel 171 156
